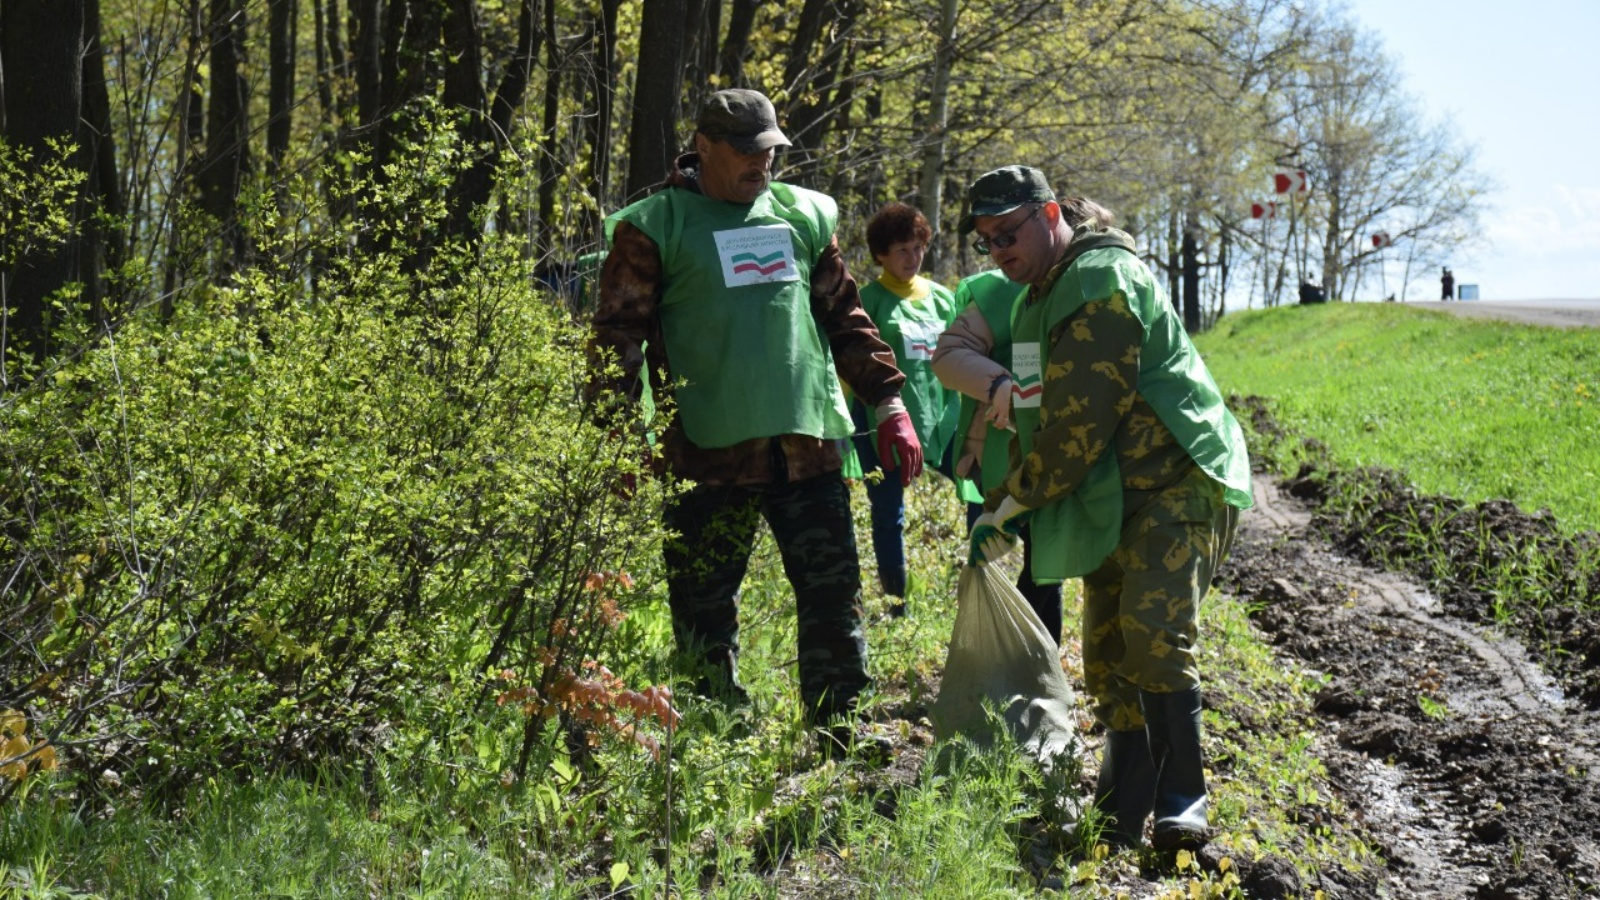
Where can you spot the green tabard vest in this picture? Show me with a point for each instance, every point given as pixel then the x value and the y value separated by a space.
pixel 995 297
pixel 912 329
pixel 1074 535
pixel 748 357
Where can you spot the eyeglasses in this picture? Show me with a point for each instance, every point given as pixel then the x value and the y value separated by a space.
pixel 1003 239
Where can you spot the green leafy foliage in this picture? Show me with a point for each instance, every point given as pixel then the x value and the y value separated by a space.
pixel 300 510
pixel 35 200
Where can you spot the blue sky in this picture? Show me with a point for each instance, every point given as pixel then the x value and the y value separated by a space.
pixel 1520 82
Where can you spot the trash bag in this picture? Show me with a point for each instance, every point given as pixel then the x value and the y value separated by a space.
pixel 1000 654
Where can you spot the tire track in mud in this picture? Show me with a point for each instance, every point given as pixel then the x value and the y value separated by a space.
pixel 1459 758
pixel 1524 688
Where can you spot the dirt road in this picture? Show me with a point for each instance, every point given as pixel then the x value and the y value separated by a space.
pixel 1490 788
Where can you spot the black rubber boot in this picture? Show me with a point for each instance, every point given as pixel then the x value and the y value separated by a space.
pixel 1125 790
pixel 1173 721
pixel 893 581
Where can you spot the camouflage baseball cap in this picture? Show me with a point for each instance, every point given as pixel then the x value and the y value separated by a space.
pixel 743 118
pixel 999 192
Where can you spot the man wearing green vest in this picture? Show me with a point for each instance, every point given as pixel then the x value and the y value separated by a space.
pixel 730 290
pixel 1129 471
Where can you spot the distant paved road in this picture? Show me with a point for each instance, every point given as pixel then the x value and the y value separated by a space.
pixel 1558 313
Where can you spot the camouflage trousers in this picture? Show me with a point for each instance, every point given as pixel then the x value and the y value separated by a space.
pixel 706 564
pixel 1141 608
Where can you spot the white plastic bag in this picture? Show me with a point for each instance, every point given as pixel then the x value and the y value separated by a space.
pixel 1001 654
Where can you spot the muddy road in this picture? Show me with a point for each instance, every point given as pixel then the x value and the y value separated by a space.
pixel 1474 771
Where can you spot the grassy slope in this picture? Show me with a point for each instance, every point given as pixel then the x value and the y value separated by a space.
pixel 1473 409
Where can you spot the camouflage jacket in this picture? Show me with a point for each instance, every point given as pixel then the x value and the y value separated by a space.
pixel 1091 387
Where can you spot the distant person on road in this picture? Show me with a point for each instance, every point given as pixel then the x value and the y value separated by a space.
pixel 1130 472
pixel 1447 283
pixel 728 291
pixel 910 312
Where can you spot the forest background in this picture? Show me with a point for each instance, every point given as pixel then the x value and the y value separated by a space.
pixel 294 462
pixel 175 121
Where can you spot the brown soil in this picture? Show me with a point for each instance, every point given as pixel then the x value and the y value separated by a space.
pixel 1461 736
pixel 1498 798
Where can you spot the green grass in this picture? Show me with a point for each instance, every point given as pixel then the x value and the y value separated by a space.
pixel 1473 409
pixel 755 813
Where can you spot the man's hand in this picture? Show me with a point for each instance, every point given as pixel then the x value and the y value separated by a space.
pixel 897 437
pixel 999 414
pixel 994 534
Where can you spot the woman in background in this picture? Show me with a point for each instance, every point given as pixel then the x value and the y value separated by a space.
pixel 910 312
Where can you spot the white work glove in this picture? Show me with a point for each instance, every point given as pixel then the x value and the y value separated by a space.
pixel 994 534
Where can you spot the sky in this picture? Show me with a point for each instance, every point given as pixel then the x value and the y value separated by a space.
pixel 1521 83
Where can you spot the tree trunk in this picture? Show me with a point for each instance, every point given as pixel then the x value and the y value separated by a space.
pixel 464 96
pixel 191 135
pixel 930 181
pixel 1224 267
pixel 366 49
pixel 1174 265
pixel 1333 276
pixel 700 46
pixel 844 100
pixel 41 52
pixel 736 46
pixel 100 249
pixel 1288 252
pixel 329 61
pixel 811 90
pixel 602 62
pixel 281 33
pixel 514 84
pixel 653 140
pixel 1191 274
pixel 799 78
pixel 227 159
pixel 551 162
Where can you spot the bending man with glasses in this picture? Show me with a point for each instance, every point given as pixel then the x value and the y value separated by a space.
pixel 974 358
pixel 1129 473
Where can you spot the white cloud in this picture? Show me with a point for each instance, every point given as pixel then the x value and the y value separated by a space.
pixel 1566 221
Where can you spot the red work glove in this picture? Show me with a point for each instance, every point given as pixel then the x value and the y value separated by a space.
pixel 896 437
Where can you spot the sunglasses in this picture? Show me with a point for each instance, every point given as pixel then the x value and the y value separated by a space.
pixel 1002 240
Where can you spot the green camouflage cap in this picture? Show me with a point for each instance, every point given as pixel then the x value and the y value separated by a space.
pixel 999 192
pixel 743 118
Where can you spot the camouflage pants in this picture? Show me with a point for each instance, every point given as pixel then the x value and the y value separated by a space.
pixel 1141 607
pixel 706 564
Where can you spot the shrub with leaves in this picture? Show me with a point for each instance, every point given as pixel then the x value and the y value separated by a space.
pixel 308 509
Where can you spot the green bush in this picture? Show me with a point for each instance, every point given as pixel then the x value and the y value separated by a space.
pixel 307 514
